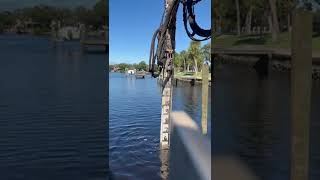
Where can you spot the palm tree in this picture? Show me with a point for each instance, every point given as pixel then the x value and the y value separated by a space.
pixel 287 7
pixel 184 57
pixel 238 17
pixel 194 53
pixel 177 61
pixel 275 23
pixel 206 51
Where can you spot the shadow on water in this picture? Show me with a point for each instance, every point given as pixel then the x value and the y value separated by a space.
pixel 262 67
pixel 192 82
pixel 252 120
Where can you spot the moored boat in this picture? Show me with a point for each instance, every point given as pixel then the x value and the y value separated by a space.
pixel 140 74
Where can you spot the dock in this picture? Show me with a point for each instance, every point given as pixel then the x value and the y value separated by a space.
pixel 190 80
pixel 140 74
pixel 95 42
pixel 260 51
pixel 99 39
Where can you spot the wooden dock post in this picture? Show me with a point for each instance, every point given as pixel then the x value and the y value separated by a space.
pixel 204 105
pixel 54 32
pixel 83 34
pixel 301 83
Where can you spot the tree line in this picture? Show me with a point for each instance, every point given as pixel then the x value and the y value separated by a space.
pixel 255 16
pixel 187 60
pixel 192 58
pixel 96 16
pixel 123 67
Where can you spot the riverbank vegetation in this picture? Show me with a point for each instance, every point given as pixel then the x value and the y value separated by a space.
pixel 187 62
pixel 123 67
pixel 191 59
pixel 258 23
pixel 190 74
pixel 38 18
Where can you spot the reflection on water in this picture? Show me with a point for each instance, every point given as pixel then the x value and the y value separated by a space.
pixel 135 108
pixel 188 99
pixel 252 120
pixel 53 105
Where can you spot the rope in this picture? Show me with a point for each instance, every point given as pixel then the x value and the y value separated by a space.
pixel 188 17
pixel 152 57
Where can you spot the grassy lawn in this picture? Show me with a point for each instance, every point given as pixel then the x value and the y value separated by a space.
pixel 190 74
pixel 264 41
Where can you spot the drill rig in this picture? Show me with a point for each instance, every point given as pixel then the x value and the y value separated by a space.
pixel 161 57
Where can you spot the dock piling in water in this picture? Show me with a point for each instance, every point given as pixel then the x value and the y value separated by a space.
pixel 204 105
pixel 301 83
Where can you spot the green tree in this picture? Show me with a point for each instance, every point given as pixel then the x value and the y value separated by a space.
pixel 194 53
pixel 184 57
pixel 81 14
pixel 142 66
pixel 111 66
pixel 275 23
pixel 238 17
pixel 123 66
pixel 206 51
pixel 222 11
pixel 6 19
pixel 135 65
pixel 101 11
pixel 44 14
pixel 178 62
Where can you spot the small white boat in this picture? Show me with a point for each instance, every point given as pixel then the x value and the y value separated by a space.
pixel 131 72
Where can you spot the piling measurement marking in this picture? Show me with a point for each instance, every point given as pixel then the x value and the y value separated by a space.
pixel 165 114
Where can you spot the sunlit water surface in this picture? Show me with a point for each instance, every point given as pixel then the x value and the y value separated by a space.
pixel 135 108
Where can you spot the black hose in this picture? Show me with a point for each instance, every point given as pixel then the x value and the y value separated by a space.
pixel 163 29
pixel 189 16
pixel 152 56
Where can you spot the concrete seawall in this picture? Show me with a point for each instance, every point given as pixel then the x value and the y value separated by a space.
pixel 191 81
pixel 280 65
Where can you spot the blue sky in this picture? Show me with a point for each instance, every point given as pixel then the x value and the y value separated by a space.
pixel 132 23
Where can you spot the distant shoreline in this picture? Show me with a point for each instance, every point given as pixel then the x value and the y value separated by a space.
pixel 24 34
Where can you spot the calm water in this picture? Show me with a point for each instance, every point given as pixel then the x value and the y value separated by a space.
pixel 53 105
pixel 252 120
pixel 135 108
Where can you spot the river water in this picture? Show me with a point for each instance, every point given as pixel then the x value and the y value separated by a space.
pixel 252 121
pixel 134 112
pixel 53 110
